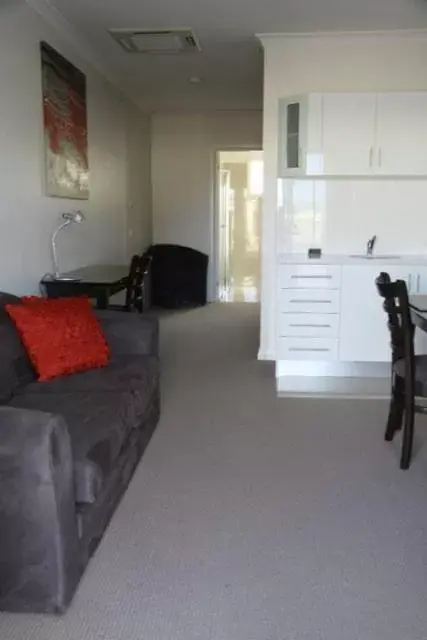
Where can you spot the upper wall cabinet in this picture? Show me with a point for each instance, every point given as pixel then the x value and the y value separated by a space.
pixel 348 132
pixel 353 134
pixel 401 134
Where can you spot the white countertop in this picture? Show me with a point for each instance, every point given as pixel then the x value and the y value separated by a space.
pixel 301 258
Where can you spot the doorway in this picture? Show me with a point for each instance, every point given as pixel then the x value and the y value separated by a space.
pixel 240 188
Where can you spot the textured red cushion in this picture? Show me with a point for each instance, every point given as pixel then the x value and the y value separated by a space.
pixel 61 336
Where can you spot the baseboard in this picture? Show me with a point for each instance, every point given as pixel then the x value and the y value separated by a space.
pixel 332 387
pixel 266 355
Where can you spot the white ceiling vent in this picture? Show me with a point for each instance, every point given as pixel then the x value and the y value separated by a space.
pixel 156 41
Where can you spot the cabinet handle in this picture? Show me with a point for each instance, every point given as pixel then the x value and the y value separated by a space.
pixel 302 300
pixel 380 156
pixel 316 326
pixel 298 277
pixel 410 282
pixel 305 349
pixel 371 156
pixel 418 282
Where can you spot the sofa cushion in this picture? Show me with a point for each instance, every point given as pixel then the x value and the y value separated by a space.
pixel 61 336
pixel 15 367
pixel 136 373
pixel 100 417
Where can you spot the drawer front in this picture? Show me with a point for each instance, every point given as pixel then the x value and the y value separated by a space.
pixel 315 325
pixel 309 301
pixel 308 349
pixel 308 276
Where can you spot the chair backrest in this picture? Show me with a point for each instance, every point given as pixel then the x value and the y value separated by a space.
pixel 138 273
pixel 396 306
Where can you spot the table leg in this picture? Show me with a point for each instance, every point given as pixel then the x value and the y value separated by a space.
pixel 102 299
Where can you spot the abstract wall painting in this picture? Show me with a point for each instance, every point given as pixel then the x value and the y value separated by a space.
pixel 65 126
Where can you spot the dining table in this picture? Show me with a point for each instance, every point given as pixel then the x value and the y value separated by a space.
pixel 98 281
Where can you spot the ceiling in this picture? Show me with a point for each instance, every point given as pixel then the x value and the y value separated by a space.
pixel 230 64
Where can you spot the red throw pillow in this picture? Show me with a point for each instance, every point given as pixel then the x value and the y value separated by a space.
pixel 61 336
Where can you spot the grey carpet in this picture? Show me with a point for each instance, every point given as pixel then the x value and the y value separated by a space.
pixel 253 518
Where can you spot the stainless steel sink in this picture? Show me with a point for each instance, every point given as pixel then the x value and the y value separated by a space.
pixel 363 256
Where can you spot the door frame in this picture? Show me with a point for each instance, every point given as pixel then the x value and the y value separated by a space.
pixel 215 223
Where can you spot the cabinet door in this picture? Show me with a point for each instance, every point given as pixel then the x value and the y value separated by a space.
pixel 348 133
pixel 418 284
pixel 401 134
pixel 419 280
pixel 299 135
pixel 364 336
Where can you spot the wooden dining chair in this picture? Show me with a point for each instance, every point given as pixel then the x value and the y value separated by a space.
pixel 409 372
pixel 136 285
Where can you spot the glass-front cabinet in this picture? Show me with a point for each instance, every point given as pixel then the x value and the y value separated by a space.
pixel 299 137
pixel 293 156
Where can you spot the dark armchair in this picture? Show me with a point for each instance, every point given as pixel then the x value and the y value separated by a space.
pixel 178 276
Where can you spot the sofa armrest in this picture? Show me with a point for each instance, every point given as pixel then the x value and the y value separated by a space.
pixel 39 562
pixel 130 333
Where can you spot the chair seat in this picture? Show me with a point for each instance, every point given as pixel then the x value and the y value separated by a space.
pixel 420 373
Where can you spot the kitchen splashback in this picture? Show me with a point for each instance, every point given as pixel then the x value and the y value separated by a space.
pixel 340 215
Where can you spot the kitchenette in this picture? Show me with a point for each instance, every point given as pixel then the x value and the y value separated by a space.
pixel 349 198
pixel 338 177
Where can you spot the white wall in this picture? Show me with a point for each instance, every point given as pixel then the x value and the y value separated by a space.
pixel 27 216
pixel 139 218
pixel 299 64
pixel 183 173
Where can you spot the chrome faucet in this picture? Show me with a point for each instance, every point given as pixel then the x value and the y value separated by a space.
pixel 370 246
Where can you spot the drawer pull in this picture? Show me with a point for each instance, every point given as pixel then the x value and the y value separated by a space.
pixel 307 300
pixel 316 326
pixel 301 277
pixel 318 349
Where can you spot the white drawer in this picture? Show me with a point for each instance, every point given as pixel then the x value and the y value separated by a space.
pixel 309 301
pixel 316 325
pixel 310 276
pixel 308 349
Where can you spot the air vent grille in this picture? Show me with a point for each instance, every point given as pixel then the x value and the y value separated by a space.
pixel 156 41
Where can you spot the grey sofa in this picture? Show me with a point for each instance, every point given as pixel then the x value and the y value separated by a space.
pixel 68 449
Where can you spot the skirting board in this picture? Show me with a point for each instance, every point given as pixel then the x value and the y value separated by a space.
pixel 328 387
pixel 266 355
pixel 333 379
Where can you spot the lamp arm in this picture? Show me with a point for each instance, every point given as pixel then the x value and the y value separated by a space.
pixel 53 245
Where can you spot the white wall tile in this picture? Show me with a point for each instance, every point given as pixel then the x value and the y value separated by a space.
pixel 341 215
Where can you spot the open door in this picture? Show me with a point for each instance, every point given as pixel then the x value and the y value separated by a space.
pixel 239 202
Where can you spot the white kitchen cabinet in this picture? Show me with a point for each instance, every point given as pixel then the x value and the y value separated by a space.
pixel 312 349
pixel 308 305
pixel 419 280
pixel 353 134
pixel 364 336
pixel 418 284
pixel 300 136
pixel 348 133
pixel 309 325
pixel 308 276
pixel 309 300
pixel 401 134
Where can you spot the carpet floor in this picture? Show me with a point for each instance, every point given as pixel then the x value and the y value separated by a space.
pixel 252 517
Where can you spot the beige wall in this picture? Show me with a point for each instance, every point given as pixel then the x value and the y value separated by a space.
pixel 27 216
pixel 139 211
pixel 183 172
pixel 315 63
